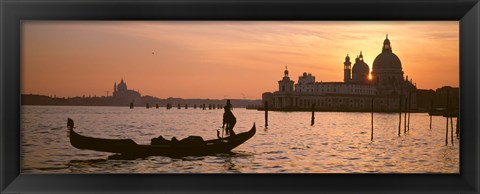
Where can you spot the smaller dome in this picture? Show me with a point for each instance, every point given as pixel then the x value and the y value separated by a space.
pixel 360 72
pixel 360 67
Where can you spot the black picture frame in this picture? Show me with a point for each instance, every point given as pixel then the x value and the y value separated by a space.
pixel 12 12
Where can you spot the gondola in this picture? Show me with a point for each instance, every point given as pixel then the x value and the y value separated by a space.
pixel 129 147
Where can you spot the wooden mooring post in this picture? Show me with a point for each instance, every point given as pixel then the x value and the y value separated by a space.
pixel 371 133
pixel 431 109
pixel 194 106
pixel 209 106
pixel 409 109
pixel 405 116
pixel 203 107
pixel 313 114
pixel 451 130
pixel 266 114
pixel 178 106
pixel 186 106
pixel 456 128
pixel 446 133
pixel 399 114
pixel 131 105
pixel 446 115
pixel 156 106
pixel 147 106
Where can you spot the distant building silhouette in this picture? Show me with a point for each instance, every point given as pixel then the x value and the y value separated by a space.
pixel 121 91
pixel 354 93
pixel 428 99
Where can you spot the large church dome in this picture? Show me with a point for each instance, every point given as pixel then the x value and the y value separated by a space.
pixel 387 59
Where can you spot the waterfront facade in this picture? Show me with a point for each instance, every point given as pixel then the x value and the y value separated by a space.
pixel 385 85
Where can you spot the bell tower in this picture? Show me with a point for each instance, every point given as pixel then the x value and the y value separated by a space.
pixel 285 85
pixel 347 70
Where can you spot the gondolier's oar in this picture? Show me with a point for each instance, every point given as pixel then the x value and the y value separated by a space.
pixel 218 133
pixel 223 129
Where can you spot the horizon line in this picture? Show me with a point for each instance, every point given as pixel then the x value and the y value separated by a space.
pixel 95 96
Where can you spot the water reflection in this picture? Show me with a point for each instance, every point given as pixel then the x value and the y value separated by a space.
pixel 94 165
pixel 122 163
pixel 231 158
pixel 337 143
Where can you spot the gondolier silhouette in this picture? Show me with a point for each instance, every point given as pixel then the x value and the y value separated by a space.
pixel 229 120
pixel 229 104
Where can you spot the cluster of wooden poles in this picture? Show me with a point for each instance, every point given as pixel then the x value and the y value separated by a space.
pixel 408 105
pixel 169 106
pixel 406 117
pixel 451 131
pixel 448 114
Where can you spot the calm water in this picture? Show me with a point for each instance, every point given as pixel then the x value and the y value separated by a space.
pixel 337 143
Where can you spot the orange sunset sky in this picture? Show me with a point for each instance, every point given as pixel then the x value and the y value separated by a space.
pixel 222 59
